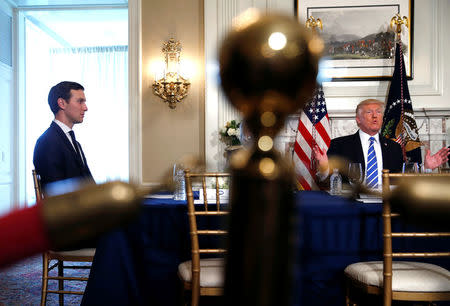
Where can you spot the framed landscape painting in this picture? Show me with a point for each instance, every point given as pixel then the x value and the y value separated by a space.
pixel 359 42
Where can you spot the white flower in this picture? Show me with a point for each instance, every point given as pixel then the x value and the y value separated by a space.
pixel 238 132
pixel 231 132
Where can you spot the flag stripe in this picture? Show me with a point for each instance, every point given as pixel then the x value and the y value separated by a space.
pixel 303 158
pixel 306 180
pixel 304 139
pixel 321 142
pixel 322 132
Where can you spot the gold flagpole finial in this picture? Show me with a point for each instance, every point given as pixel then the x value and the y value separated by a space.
pixel 398 21
pixel 313 23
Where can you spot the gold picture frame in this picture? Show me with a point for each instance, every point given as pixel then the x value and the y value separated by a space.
pixel 359 42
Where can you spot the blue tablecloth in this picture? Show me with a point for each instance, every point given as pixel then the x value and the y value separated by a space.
pixel 137 265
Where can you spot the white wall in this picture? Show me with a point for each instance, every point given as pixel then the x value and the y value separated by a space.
pixel 218 20
pixel 6 130
pixel 430 88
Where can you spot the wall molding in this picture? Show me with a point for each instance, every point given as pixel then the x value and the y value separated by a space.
pixel 427 113
pixel 135 90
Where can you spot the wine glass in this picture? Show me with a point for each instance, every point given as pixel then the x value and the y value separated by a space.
pixel 410 167
pixel 355 173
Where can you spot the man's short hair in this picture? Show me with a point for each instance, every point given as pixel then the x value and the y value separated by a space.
pixel 369 101
pixel 61 90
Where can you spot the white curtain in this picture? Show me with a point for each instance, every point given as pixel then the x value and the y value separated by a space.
pixel 101 69
pixel 103 72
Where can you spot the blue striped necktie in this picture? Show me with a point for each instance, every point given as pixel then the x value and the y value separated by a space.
pixel 372 167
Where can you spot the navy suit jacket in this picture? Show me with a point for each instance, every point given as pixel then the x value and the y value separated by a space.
pixel 350 148
pixel 55 158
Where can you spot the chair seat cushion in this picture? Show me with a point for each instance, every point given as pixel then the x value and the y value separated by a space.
pixel 211 272
pixel 406 275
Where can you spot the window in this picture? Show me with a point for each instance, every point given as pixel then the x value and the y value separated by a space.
pixel 89 47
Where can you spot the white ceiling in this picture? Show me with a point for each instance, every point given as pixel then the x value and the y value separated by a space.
pixel 82 28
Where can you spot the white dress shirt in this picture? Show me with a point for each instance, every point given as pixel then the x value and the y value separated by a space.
pixel 365 142
pixel 66 131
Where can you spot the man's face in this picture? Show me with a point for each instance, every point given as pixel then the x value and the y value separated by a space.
pixel 370 118
pixel 75 107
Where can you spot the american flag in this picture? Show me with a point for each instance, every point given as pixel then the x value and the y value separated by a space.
pixel 313 128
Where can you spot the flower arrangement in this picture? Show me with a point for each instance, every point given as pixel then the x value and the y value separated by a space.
pixel 223 182
pixel 230 134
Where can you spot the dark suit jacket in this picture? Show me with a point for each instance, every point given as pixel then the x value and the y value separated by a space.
pixel 55 158
pixel 350 148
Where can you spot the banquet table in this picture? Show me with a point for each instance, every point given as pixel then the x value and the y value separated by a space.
pixel 137 264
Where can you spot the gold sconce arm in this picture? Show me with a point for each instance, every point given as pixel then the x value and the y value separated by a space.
pixel 171 92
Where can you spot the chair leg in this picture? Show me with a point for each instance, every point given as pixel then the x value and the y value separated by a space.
pixel 182 296
pixel 348 294
pixel 44 280
pixel 61 282
pixel 195 289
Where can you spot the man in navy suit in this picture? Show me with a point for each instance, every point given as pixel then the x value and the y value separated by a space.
pixel 354 148
pixel 57 154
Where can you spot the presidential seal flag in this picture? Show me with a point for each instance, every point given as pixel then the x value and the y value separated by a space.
pixel 399 123
pixel 313 129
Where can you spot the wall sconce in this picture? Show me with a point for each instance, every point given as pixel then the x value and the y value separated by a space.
pixel 172 87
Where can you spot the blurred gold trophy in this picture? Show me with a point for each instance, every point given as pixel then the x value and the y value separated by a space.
pixel 268 69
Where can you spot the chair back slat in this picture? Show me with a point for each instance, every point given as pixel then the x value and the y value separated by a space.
pixel 421 255
pixel 205 199
pixel 421 235
pixel 212 232
pixel 212 251
pixel 212 213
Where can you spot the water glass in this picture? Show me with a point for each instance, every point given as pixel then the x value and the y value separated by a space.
pixel 410 167
pixel 179 193
pixel 355 173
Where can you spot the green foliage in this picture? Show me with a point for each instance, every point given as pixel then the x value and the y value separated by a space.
pixel 387 131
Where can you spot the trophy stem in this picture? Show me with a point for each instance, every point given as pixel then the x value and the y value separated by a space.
pixel 259 261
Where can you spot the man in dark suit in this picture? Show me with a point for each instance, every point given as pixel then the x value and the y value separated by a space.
pixel 57 154
pixel 355 148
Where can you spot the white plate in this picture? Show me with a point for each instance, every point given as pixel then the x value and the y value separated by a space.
pixel 374 200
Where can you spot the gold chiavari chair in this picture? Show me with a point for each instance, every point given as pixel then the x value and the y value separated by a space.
pixel 400 280
pixel 204 276
pixel 82 255
pixel 443 170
